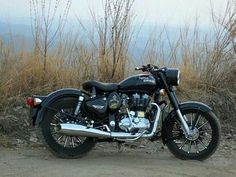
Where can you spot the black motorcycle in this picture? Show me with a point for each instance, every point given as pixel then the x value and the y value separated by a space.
pixel 73 121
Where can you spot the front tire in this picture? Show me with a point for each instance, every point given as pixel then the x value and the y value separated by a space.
pixel 198 147
pixel 61 145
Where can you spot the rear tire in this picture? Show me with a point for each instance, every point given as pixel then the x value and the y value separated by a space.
pixel 177 143
pixel 59 149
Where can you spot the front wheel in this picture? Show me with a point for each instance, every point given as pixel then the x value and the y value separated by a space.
pixel 61 145
pixel 204 139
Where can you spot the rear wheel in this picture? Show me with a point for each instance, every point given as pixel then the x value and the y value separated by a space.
pixel 204 139
pixel 61 145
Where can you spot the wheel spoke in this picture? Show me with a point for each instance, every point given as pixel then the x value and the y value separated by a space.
pixel 203 124
pixel 78 140
pixel 65 141
pixel 72 141
pixel 191 120
pixel 205 137
pixel 56 116
pixel 203 145
pixel 189 146
pixel 59 138
pixel 196 147
pixel 182 145
pixel 196 120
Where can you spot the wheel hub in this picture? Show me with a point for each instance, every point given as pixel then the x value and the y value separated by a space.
pixel 193 134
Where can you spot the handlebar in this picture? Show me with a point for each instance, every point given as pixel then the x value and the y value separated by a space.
pixel 148 68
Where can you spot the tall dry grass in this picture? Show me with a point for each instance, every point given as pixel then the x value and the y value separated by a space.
pixel 207 63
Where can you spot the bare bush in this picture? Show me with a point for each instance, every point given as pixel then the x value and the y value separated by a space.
pixel 46 26
pixel 207 62
pixel 114 39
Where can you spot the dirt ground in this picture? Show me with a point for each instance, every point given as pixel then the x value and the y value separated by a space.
pixel 28 158
pixel 105 160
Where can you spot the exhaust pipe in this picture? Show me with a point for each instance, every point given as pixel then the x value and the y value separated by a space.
pixel 80 130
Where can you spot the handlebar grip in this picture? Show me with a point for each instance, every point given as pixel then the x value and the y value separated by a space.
pixel 138 68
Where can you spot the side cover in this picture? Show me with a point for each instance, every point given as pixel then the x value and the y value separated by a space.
pixel 97 105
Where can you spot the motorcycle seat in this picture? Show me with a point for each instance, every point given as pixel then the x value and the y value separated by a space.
pixel 106 87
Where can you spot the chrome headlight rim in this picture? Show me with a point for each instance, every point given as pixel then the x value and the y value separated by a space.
pixel 178 77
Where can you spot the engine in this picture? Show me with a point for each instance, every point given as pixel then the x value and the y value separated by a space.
pixel 133 110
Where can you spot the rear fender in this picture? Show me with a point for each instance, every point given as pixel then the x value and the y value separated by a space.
pixel 34 110
pixel 183 106
pixel 54 96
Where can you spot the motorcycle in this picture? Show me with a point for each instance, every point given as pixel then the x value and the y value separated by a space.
pixel 72 121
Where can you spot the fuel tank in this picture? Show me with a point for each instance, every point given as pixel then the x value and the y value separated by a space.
pixel 142 82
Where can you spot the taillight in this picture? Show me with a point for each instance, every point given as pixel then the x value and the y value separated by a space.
pixel 30 101
pixel 33 101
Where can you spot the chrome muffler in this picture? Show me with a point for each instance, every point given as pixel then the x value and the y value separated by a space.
pixel 80 130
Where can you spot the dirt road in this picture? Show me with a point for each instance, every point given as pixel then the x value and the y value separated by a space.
pixel 106 161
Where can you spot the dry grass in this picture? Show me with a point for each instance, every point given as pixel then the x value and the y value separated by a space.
pixel 207 64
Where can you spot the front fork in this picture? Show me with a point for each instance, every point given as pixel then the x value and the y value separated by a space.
pixel 175 103
pixel 184 123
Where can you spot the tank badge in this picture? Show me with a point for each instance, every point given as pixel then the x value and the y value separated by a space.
pixel 147 79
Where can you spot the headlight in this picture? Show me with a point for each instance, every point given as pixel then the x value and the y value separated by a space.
pixel 173 76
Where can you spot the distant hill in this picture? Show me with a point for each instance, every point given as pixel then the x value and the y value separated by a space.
pixel 21 33
pixel 18 34
pixel 15 29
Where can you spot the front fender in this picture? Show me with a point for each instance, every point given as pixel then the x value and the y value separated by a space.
pixel 55 95
pixel 195 105
pixel 183 106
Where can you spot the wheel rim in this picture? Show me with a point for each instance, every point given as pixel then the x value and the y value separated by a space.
pixel 201 134
pixel 62 139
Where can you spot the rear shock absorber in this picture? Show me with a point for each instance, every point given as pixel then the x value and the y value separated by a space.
pixel 80 100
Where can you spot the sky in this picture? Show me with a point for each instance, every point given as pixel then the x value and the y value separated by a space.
pixel 152 12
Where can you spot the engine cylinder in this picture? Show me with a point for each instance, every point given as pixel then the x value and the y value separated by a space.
pixel 140 102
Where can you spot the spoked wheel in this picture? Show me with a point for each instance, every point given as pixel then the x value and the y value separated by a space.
pixel 203 139
pixel 64 140
pixel 60 144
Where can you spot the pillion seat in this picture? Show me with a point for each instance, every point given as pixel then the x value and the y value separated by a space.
pixel 106 87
